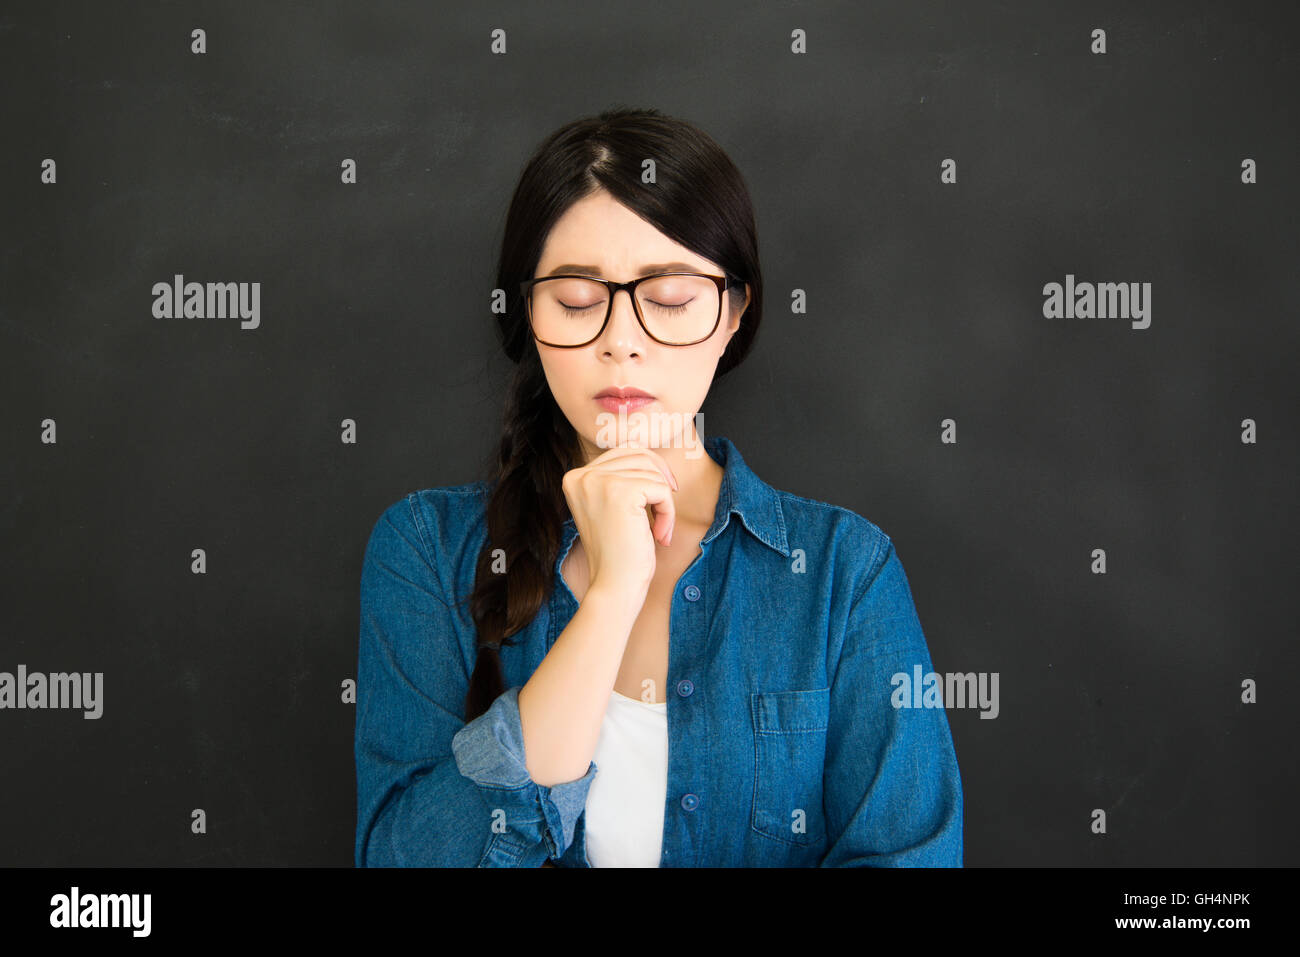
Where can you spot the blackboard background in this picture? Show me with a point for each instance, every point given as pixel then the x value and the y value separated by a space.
pixel 222 691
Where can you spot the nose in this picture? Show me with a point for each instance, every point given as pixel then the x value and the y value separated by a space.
pixel 623 334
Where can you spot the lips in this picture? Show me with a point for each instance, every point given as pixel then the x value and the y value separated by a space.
pixel 625 392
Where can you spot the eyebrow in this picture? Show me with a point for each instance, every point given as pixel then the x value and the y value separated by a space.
pixel 645 270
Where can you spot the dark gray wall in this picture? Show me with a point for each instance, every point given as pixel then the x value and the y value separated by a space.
pixel 222 690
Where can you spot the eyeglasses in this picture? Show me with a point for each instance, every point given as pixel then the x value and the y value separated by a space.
pixel 674 308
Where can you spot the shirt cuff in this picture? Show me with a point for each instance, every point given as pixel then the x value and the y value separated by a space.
pixel 490 752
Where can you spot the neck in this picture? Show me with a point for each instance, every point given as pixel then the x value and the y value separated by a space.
pixel 700 479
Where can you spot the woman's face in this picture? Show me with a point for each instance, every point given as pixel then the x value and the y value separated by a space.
pixel 599 232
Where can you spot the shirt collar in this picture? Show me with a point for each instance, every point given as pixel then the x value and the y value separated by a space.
pixel 747 495
pixel 742 493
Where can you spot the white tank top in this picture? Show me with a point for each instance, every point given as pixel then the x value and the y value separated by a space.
pixel 625 802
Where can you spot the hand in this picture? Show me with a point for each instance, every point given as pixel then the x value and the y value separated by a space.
pixel 622 503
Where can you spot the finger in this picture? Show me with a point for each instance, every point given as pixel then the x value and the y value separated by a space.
pixel 659 498
pixel 628 456
pixel 651 475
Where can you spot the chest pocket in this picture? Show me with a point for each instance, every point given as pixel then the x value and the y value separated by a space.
pixel 789 758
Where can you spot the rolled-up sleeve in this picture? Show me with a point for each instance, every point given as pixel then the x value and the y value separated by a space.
pixel 433 790
pixel 891 786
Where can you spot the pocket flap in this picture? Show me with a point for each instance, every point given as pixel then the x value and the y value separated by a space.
pixel 776 711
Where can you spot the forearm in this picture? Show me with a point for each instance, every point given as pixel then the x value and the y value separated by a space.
pixel 562 705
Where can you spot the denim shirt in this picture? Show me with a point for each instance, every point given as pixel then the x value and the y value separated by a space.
pixel 784 749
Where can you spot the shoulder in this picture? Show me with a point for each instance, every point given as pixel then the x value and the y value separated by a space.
pixel 432 523
pixel 451 510
pixel 444 508
pixel 849 531
pixel 858 548
pixel 871 595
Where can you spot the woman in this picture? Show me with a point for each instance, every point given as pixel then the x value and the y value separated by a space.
pixel 520 702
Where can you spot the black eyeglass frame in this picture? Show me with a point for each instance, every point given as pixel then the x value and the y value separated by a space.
pixel 723 283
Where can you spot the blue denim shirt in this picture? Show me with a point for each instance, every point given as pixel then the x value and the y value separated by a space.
pixel 783 746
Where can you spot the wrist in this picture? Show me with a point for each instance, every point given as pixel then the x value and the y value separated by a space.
pixel 616 594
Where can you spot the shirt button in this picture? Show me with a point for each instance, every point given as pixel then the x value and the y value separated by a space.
pixel 684 688
pixel 692 593
pixel 690 801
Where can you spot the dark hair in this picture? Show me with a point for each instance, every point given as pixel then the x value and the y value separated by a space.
pixel 700 201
